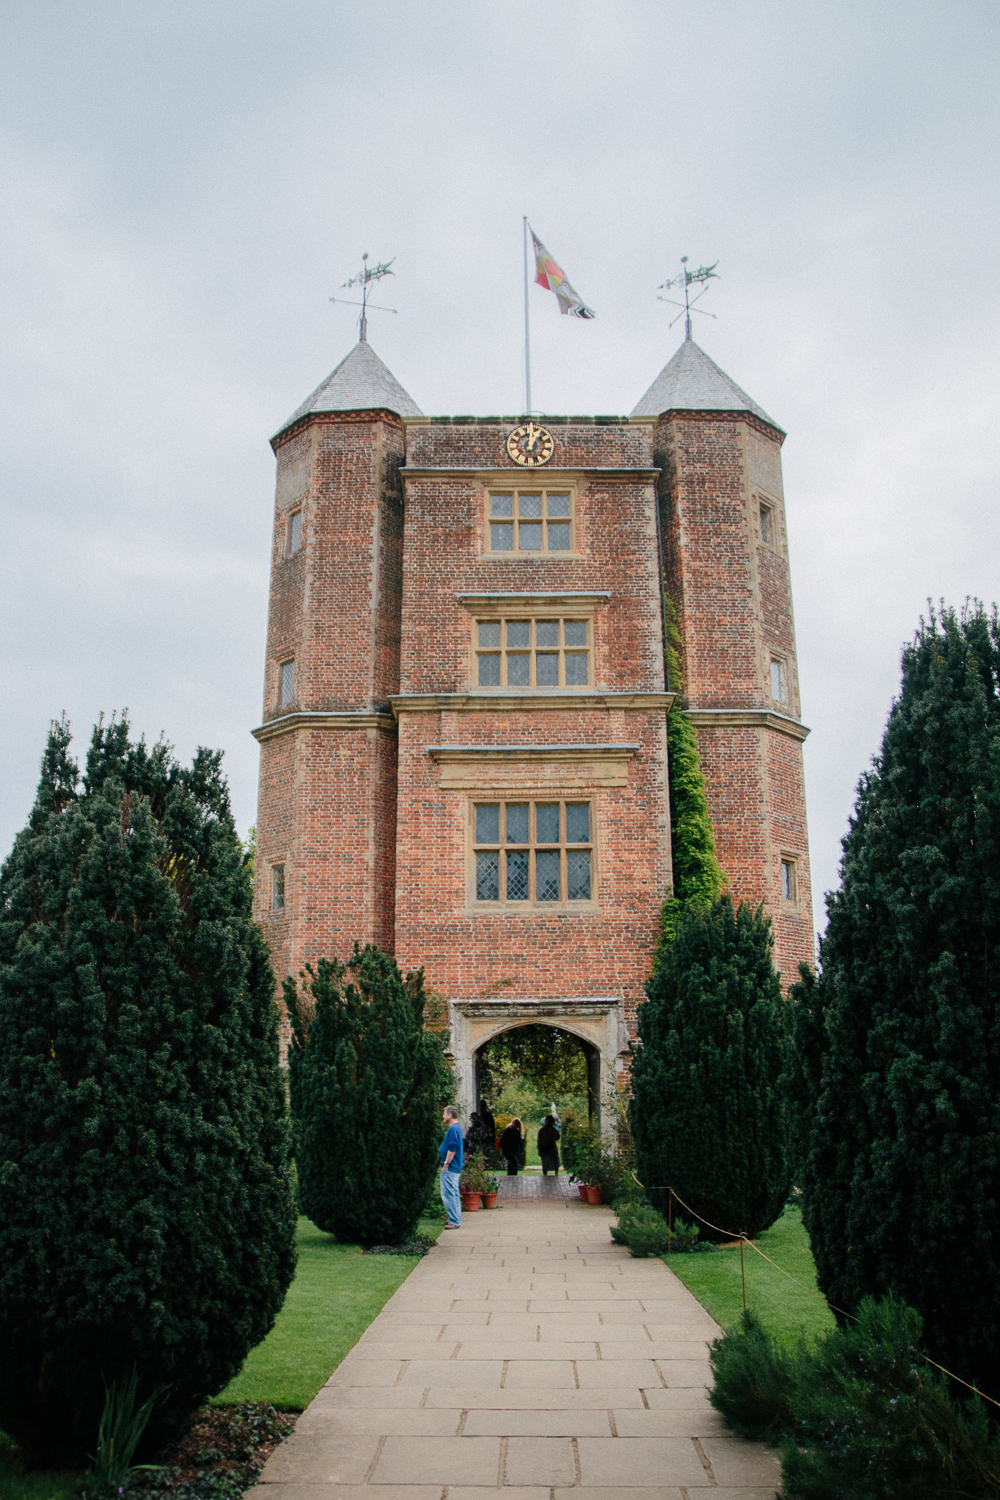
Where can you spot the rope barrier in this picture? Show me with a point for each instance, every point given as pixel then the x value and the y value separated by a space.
pixel 740 1235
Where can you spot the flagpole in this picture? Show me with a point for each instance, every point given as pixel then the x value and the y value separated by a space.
pixel 527 340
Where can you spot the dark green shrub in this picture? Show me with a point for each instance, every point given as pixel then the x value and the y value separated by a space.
pixel 706 1113
pixel 366 1087
pixel 146 1215
pixel 859 1413
pixel 645 1230
pixel 903 1176
pixel 801 1084
pixel 753 1380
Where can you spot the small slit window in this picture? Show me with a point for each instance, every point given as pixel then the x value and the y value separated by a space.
pixel 767 523
pixel 286 682
pixel 293 533
pixel 277 887
pixel 788 882
pixel 779 680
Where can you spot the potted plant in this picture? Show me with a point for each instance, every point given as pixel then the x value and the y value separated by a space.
pixel 491 1188
pixel 472 1182
pixel 594 1193
pixel 581 1178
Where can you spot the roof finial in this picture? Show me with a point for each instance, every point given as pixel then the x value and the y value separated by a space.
pixel 364 276
pixel 686 280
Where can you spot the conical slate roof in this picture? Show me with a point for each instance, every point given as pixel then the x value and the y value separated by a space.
pixel 693 382
pixel 361 382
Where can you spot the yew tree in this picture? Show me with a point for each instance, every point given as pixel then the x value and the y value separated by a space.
pixel 146 1214
pixel 902 1178
pixel 707 1110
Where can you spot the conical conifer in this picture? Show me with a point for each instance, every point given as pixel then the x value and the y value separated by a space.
pixel 367 1084
pixel 706 1112
pixel 903 1178
pixel 146 1215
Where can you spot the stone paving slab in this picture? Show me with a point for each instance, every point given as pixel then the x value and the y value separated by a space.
pixel 525 1359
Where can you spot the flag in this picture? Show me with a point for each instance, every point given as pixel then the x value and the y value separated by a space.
pixel 550 275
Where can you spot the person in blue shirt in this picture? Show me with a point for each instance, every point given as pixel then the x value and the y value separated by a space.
pixel 452 1158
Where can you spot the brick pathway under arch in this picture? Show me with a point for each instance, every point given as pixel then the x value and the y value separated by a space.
pixel 526 1357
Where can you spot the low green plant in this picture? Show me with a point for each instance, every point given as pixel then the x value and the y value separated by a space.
pixel 119 1434
pixel 753 1378
pixel 859 1412
pixel 645 1231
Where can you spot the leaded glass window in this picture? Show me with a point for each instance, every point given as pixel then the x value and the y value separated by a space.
pixel 529 521
pixel 533 653
pixel 533 853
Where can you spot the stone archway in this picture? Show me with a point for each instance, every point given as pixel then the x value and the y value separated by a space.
pixel 596 1023
pixel 587 1047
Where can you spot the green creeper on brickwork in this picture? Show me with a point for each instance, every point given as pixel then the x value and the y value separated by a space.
pixel 698 876
pixel 146 1214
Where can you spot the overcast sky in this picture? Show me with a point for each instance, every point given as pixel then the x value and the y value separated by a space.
pixel 185 185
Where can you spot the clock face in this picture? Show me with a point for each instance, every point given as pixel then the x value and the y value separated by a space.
pixel 530 445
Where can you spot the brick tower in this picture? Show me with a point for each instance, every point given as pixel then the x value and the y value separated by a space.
pixel 326 824
pixel 463 747
pixel 726 571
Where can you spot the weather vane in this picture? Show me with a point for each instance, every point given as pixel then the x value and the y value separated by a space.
pixel 686 280
pixel 365 276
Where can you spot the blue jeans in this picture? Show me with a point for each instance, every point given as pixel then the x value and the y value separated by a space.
pixel 450 1197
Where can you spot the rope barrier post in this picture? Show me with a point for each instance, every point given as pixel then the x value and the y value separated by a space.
pixel 743 1277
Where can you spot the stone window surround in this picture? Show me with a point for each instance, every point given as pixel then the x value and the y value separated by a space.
pixel 768 511
pixel 780 660
pixel 580 605
pixel 792 862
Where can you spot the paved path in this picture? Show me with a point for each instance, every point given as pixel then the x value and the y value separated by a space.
pixel 527 1357
pixel 533 1186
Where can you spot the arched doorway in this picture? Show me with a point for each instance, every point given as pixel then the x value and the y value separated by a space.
pixel 561 1066
pixel 597 1022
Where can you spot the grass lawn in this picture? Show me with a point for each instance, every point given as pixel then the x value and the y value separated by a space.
pixel 16 1485
pixel 336 1293
pixel 785 1309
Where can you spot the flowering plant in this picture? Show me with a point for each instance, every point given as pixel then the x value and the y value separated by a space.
pixel 473 1178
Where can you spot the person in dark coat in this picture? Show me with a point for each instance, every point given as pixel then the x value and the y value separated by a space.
pixel 548 1146
pixel 512 1145
pixel 480 1138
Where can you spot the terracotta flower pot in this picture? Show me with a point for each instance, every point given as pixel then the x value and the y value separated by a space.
pixel 583 1191
pixel 594 1194
pixel 490 1200
pixel 472 1202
